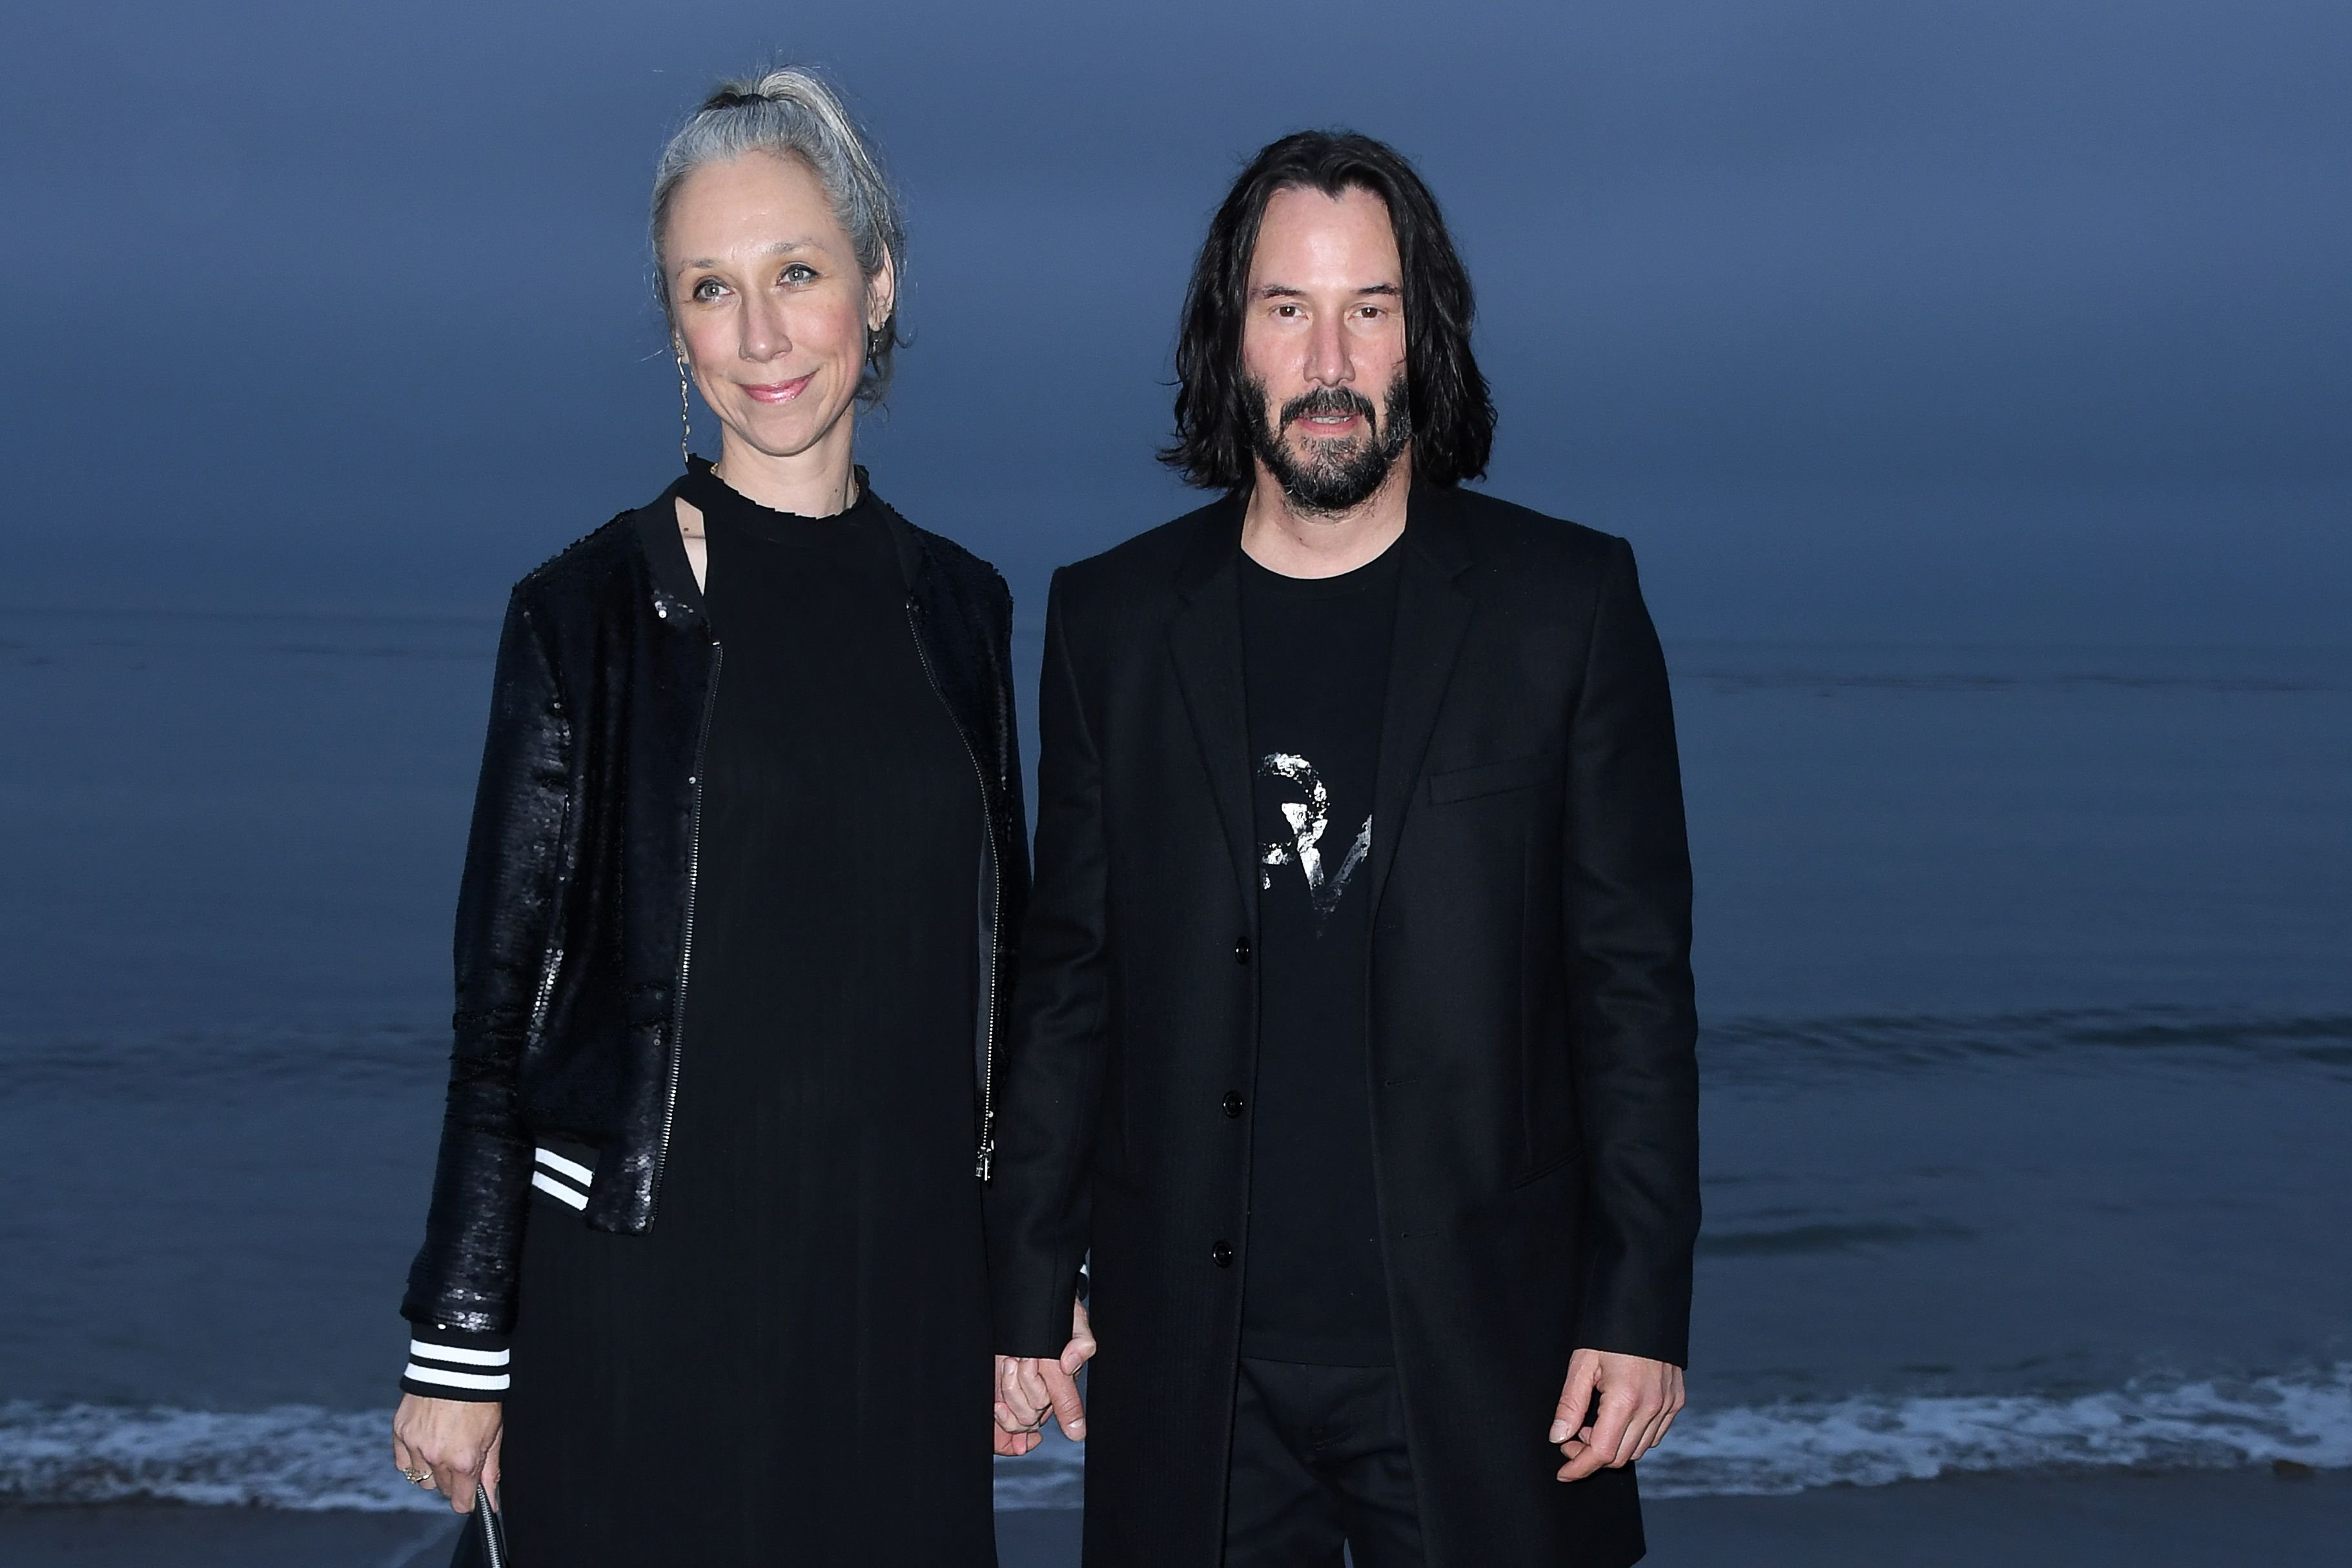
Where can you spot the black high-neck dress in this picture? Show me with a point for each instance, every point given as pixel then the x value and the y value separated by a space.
pixel 792 1365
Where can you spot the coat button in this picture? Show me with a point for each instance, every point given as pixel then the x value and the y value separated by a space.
pixel 1230 1105
pixel 1241 950
pixel 1222 1254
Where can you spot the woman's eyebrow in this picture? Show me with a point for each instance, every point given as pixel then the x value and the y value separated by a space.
pixel 780 247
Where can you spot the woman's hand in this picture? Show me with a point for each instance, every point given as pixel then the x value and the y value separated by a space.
pixel 1031 1388
pixel 457 1439
pixel 1015 1431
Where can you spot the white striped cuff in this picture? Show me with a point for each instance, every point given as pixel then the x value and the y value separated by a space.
pixel 455 1371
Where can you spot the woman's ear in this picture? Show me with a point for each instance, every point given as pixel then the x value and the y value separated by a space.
pixel 881 294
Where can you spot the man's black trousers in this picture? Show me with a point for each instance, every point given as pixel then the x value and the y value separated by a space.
pixel 1320 1462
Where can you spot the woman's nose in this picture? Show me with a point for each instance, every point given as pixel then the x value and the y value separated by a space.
pixel 765 336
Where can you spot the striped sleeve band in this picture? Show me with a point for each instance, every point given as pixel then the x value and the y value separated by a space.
pixel 446 1363
pixel 561 1177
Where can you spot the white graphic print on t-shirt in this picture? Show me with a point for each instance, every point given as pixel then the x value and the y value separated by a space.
pixel 1307 820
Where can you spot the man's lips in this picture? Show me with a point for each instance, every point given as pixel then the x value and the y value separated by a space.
pixel 1327 423
pixel 780 391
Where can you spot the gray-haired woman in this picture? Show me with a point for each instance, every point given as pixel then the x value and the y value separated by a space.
pixel 702 1279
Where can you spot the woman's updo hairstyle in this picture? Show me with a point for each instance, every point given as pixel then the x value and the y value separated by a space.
pixel 796 113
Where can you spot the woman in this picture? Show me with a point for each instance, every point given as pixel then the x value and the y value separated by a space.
pixel 703 1279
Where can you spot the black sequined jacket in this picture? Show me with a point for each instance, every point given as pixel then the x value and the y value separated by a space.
pixel 575 916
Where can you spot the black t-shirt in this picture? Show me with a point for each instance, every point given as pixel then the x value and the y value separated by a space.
pixel 1315 666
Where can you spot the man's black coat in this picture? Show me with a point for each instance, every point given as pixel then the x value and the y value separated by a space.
pixel 1533 1079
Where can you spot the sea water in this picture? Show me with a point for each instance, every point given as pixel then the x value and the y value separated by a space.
pixel 2027 1056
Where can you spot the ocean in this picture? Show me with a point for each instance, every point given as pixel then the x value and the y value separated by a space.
pixel 2027 1054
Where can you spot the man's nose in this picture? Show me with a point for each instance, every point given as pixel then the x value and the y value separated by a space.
pixel 1327 362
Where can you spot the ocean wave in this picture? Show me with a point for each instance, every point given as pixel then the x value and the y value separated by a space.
pixel 164 1063
pixel 1778 1049
pixel 1871 1441
pixel 290 1457
pixel 1736 668
pixel 1818 1239
pixel 1736 681
pixel 1052 1477
pixel 302 1458
pixel 294 1456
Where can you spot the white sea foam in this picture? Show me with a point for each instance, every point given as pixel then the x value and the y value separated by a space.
pixel 298 1457
pixel 1870 1441
pixel 294 1456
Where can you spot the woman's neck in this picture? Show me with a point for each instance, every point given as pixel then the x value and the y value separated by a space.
pixel 817 483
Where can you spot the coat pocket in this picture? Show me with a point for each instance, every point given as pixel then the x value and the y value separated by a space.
pixel 1486 778
pixel 1552 1164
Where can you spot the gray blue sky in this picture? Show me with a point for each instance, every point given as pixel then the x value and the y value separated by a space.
pixel 1981 320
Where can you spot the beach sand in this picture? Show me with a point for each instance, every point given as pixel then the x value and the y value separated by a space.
pixel 2244 1519
pixel 2192 1518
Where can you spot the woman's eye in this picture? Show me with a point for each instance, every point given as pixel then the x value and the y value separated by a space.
pixel 800 272
pixel 709 288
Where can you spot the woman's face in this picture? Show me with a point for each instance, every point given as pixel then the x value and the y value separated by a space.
pixel 771 308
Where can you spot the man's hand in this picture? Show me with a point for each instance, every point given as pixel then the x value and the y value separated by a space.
pixel 1639 1400
pixel 457 1439
pixel 1031 1388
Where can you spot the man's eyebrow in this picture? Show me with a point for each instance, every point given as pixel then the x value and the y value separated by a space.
pixel 1291 291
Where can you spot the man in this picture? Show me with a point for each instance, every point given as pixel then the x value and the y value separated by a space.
pixel 1353 1040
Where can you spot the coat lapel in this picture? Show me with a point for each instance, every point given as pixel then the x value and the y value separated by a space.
pixel 1205 639
pixel 1433 613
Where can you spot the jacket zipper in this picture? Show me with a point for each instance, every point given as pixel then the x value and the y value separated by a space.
pixel 685 934
pixel 985 1167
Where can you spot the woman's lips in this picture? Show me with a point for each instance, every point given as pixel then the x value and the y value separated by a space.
pixel 780 391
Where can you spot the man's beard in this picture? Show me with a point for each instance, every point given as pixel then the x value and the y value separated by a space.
pixel 1334 475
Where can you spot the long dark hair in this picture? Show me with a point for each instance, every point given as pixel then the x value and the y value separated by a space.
pixel 1453 415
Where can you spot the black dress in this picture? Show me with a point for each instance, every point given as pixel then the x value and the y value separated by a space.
pixel 792 1367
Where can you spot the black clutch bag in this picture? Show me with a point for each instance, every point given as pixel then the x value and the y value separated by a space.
pixel 484 1542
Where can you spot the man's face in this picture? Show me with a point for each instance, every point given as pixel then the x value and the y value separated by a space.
pixel 1323 347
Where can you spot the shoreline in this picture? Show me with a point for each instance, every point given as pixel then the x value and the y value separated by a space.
pixel 2255 1516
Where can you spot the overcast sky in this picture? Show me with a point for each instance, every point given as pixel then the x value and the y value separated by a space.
pixel 1973 320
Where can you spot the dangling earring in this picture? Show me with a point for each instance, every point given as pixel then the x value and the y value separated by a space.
pixel 685 416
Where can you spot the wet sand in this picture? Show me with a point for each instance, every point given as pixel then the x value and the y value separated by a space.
pixel 2245 1519
pixel 2195 1519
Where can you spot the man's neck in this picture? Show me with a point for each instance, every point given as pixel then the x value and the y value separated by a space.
pixel 1294 543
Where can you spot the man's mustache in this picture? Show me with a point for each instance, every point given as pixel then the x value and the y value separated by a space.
pixel 1328 400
